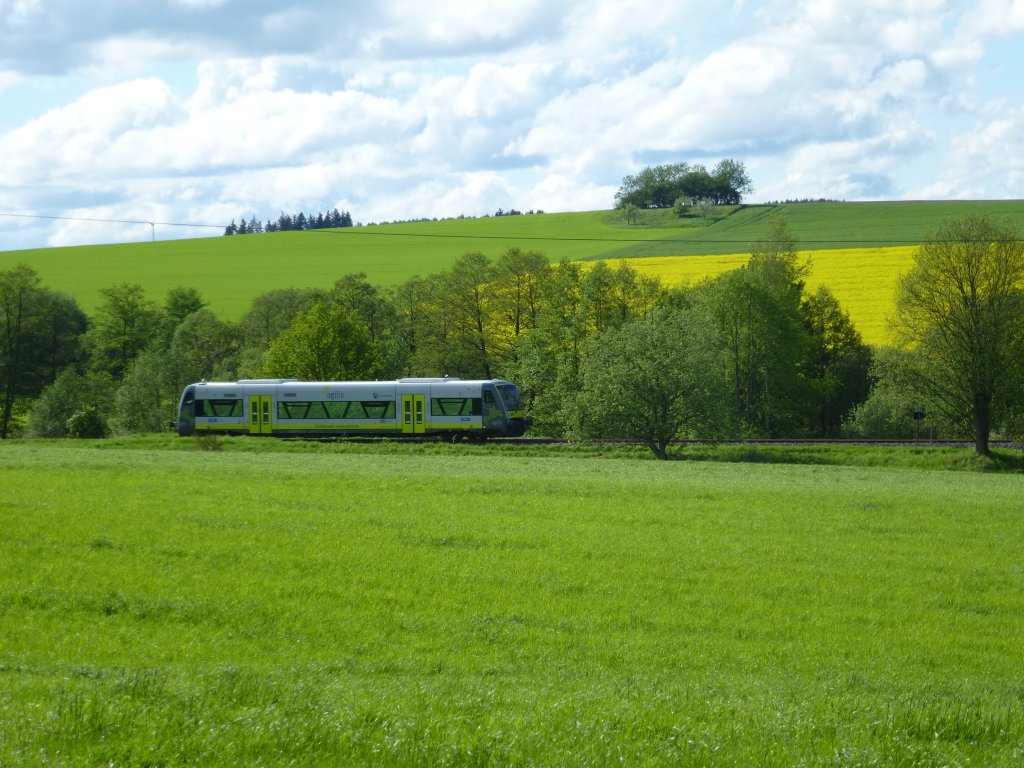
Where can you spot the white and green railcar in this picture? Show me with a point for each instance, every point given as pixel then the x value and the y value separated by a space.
pixel 446 407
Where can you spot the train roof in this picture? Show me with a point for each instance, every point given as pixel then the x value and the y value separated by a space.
pixel 384 382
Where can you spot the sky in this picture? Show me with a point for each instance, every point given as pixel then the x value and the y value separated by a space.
pixel 200 112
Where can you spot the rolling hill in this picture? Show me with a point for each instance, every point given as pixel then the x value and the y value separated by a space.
pixel 230 271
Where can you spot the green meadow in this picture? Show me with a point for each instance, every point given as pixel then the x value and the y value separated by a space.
pixel 231 271
pixel 308 604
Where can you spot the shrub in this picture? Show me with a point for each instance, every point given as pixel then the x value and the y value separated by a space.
pixel 87 423
pixel 68 396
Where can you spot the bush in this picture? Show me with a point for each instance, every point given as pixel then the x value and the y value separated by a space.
pixel 68 396
pixel 87 423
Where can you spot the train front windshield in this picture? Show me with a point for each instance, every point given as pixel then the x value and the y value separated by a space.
pixel 510 397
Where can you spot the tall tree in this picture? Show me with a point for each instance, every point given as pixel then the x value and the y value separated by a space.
pixel 757 311
pixel 20 289
pixel 378 313
pixel 456 335
pixel 123 325
pixel 145 400
pixel 613 295
pixel 519 278
pixel 203 347
pixel 838 360
pixel 329 342
pixel 550 366
pixel 961 308
pixel 40 333
pixel 631 294
pixel 656 378
pixel 411 301
pixel 268 316
pixel 181 302
pixel 60 330
pixel 730 182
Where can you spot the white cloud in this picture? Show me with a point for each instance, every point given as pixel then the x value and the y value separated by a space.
pixel 404 109
pixel 19 12
pixel 469 194
pixel 852 169
pixel 9 80
pixel 997 17
pixel 199 3
pixel 117 58
pixel 557 192
pixel 77 139
pixel 491 90
pixel 463 25
pixel 987 161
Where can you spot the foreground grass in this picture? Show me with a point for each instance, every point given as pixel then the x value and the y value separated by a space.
pixel 174 607
pixel 922 455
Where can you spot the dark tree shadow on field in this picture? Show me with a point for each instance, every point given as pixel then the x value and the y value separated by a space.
pixel 1004 461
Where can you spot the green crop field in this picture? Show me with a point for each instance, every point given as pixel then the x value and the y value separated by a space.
pixel 307 604
pixel 231 271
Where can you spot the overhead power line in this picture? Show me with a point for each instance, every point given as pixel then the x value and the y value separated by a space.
pixel 152 224
pixel 108 221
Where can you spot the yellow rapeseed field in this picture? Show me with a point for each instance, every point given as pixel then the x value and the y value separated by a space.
pixel 863 279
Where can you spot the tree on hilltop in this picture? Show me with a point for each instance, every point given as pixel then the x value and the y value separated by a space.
pixel 662 186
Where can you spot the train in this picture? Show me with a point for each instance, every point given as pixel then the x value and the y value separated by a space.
pixel 448 408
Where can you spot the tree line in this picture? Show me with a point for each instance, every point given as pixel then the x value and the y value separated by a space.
pixel 598 351
pixel 299 222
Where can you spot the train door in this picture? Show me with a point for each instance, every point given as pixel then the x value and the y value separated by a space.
pixel 414 414
pixel 259 414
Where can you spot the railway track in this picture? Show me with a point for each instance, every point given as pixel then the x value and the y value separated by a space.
pixel 922 443
pixel 753 443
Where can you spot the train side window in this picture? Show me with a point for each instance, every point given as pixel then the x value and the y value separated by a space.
pixel 218 408
pixel 451 406
pixel 224 407
pixel 336 409
pixel 379 409
pixel 316 411
pixel 292 410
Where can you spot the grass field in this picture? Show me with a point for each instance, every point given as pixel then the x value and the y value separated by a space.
pixel 231 271
pixel 308 604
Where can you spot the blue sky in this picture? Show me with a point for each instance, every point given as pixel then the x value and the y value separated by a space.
pixel 200 111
